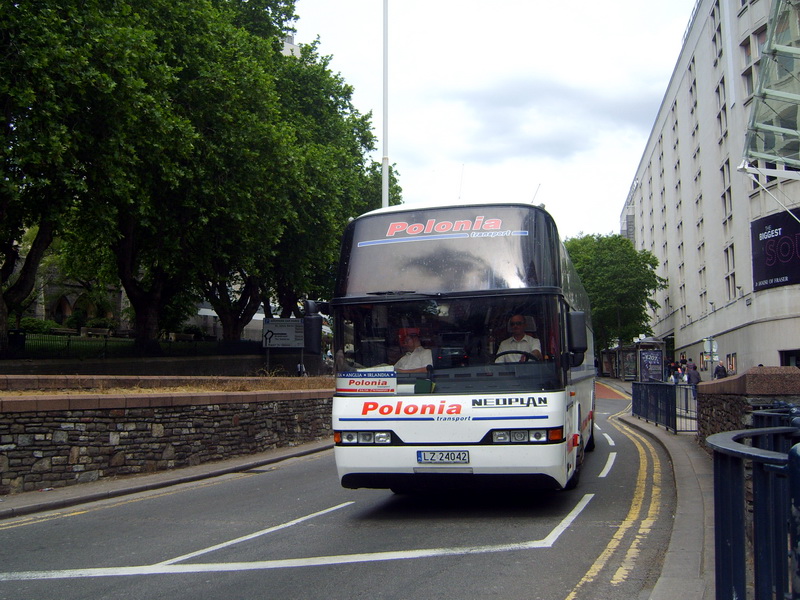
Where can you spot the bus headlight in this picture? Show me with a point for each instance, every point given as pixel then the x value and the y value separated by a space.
pixel 362 437
pixel 519 436
pixel 551 435
pixel 501 437
pixel 383 437
pixel 538 435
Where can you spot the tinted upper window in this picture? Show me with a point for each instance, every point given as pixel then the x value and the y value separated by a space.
pixel 463 248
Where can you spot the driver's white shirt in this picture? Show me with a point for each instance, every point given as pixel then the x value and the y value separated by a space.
pixel 526 344
pixel 419 358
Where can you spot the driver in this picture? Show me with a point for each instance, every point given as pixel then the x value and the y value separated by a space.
pixel 520 343
pixel 416 359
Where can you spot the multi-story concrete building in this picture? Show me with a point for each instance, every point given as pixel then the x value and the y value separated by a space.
pixel 730 250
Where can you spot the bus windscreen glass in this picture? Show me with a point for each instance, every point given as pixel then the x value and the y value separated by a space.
pixel 466 342
pixel 450 250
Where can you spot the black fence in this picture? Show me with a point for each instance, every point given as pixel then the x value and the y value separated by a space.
pixel 21 345
pixel 757 512
pixel 673 406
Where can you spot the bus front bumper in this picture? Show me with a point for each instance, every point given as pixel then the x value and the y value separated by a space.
pixel 397 467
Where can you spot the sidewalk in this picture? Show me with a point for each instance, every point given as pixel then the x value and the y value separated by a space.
pixel 688 571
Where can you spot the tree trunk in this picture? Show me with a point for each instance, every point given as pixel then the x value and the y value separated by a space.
pixel 287 299
pixel 234 315
pixel 16 293
pixel 146 326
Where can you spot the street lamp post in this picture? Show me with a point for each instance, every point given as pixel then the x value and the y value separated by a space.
pixel 385 162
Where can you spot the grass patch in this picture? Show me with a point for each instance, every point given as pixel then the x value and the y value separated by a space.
pixel 143 385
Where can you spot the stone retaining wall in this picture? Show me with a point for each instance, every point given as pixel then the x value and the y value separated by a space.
pixel 49 441
pixel 727 404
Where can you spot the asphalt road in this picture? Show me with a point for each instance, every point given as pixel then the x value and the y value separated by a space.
pixel 290 531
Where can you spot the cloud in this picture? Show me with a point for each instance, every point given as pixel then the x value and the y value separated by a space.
pixel 533 118
pixel 510 100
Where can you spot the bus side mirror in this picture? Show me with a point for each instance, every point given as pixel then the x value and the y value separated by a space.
pixel 312 328
pixel 576 336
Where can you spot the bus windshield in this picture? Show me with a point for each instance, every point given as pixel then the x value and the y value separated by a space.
pixel 456 344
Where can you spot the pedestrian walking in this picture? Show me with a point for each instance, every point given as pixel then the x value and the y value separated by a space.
pixel 693 378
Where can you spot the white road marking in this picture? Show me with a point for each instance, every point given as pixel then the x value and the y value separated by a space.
pixel 168 568
pixel 609 440
pixel 612 456
pixel 252 535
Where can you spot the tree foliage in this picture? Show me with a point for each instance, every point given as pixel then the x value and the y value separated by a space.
pixel 172 147
pixel 331 140
pixel 43 79
pixel 620 282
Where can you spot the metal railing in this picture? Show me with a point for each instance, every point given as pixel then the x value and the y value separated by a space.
pixel 756 540
pixel 672 406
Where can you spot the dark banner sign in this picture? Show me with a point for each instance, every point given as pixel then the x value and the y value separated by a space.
pixel 776 250
pixel 650 365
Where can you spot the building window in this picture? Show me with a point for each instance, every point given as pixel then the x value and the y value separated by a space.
pixel 730 270
pixel 727 201
pixel 730 286
pixel 761 40
pixel 747 81
pixel 730 362
pixel 730 259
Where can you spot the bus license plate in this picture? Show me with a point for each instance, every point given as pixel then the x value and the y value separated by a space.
pixel 443 456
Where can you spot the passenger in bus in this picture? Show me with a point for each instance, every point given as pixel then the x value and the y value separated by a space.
pixel 520 346
pixel 416 359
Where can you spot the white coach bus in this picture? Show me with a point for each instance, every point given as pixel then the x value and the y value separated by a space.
pixel 462 351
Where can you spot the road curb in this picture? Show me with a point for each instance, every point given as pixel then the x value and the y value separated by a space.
pixel 688 570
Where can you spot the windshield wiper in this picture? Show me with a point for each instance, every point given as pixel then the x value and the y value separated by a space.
pixel 406 293
pixel 392 293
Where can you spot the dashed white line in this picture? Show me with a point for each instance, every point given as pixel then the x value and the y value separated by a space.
pixel 612 456
pixel 609 439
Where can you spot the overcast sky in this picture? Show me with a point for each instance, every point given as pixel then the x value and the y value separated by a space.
pixel 509 100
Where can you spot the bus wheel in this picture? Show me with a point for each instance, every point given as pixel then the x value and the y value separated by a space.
pixel 573 481
pixel 590 443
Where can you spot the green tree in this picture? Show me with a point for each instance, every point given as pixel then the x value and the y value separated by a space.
pixel 331 142
pixel 620 282
pixel 43 82
pixel 208 161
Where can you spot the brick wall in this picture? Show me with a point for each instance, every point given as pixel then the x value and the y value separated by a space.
pixel 49 441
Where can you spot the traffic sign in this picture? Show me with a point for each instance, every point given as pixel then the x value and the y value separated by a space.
pixel 283 333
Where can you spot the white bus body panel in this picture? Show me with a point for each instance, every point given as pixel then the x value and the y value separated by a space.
pixel 457 423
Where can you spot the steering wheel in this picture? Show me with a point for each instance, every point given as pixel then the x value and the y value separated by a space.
pixel 528 356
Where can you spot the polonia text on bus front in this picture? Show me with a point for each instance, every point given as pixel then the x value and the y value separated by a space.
pixel 434 226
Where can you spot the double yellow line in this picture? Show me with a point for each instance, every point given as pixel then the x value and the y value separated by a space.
pixel 634 520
